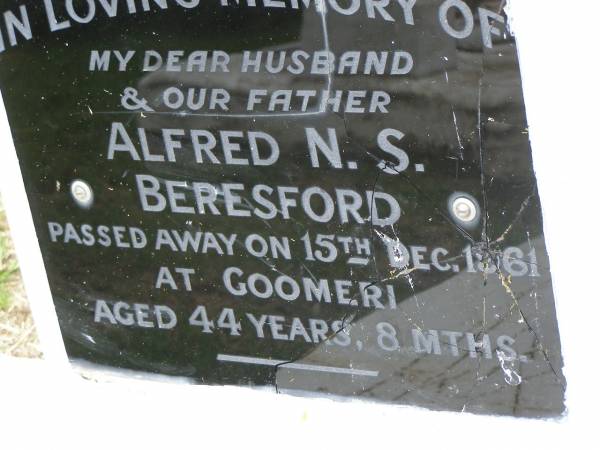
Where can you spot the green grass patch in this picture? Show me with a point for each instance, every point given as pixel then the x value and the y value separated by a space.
pixel 8 264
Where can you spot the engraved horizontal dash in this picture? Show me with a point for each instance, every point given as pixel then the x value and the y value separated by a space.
pixel 356 260
pixel 294 365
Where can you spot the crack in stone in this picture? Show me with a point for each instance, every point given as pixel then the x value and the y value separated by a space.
pixel 483 249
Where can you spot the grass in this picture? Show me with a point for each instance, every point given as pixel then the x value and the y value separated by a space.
pixel 18 336
pixel 8 264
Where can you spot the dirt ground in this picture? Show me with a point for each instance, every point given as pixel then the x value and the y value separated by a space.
pixel 18 336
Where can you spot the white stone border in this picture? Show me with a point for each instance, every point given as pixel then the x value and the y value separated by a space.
pixel 27 248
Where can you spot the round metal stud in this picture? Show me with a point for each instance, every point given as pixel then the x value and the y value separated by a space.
pixel 464 209
pixel 82 193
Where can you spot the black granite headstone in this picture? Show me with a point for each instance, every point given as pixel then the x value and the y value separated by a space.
pixel 329 197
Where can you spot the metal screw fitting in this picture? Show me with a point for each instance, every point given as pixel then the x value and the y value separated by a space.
pixel 82 193
pixel 464 209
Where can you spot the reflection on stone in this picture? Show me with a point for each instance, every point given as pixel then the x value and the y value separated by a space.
pixel 429 363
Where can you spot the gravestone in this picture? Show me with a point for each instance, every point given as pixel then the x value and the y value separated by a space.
pixel 324 198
